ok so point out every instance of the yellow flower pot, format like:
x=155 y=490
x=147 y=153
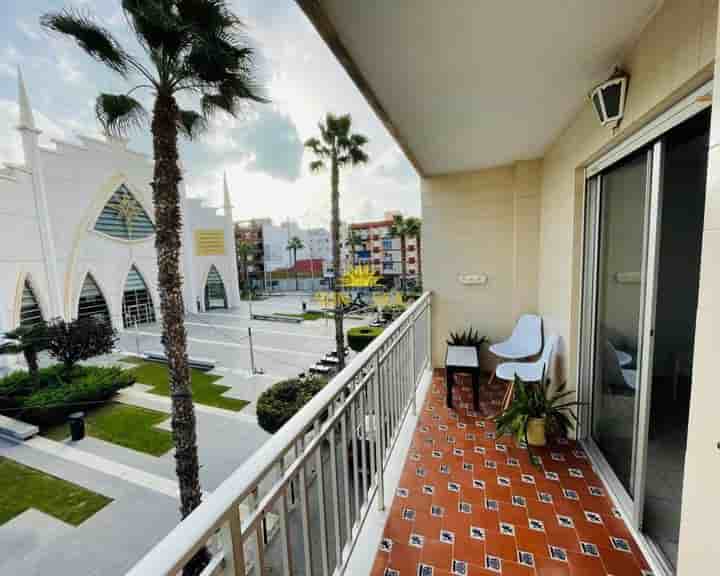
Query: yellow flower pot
x=536 y=432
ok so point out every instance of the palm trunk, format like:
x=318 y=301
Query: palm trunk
x=31 y=359
x=403 y=263
x=246 y=275
x=335 y=225
x=295 y=266
x=168 y=225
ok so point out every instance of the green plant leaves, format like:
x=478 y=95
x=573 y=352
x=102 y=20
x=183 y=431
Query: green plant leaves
x=468 y=337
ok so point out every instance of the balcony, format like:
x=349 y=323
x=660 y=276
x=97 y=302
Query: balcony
x=309 y=501
x=428 y=490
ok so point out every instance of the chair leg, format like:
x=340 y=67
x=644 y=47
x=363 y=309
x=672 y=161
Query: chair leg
x=449 y=381
x=492 y=379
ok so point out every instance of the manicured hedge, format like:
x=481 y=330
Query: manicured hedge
x=284 y=399
x=57 y=393
x=360 y=336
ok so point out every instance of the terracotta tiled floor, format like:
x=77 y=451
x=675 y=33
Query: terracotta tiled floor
x=469 y=503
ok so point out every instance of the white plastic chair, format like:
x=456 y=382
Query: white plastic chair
x=529 y=371
x=525 y=340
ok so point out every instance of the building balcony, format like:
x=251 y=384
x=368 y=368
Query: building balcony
x=376 y=475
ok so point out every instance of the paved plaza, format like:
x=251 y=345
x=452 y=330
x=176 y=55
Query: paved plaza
x=143 y=488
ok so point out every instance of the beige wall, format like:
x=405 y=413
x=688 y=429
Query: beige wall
x=701 y=500
x=481 y=223
x=522 y=225
x=672 y=56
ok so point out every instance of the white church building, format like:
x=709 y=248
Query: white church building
x=77 y=235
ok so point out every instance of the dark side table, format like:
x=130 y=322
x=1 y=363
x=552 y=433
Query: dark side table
x=462 y=360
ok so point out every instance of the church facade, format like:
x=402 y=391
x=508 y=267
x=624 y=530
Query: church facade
x=77 y=235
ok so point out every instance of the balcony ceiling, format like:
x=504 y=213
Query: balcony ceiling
x=470 y=84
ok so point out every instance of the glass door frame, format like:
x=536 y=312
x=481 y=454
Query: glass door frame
x=649 y=136
x=631 y=506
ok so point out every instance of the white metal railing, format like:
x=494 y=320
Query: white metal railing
x=297 y=505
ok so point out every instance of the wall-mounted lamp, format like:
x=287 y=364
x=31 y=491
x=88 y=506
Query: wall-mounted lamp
x=609 y=98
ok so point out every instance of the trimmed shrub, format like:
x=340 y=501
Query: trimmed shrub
x=284 y=399
x=57 y=393
x=81 y=339
x=360 y=336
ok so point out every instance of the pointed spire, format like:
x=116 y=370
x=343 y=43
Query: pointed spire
x=226 y=191
x=26 y=115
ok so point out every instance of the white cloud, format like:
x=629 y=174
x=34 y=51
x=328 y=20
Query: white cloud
x=9 y=59
x=259 y=150
x=69 y=69
x=30 y=31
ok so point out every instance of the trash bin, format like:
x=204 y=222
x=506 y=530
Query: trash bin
x=77 y=426
x=304 y=304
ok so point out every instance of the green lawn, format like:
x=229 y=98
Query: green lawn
x=204 y=389
x=22 y=488
x=128 y=426
x=312 y=315
x=132 y=360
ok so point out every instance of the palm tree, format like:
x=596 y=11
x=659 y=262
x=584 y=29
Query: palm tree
x=338 y=147
x=28 y=340
x=293 y=246
x=353 y=241
x=191 y=47
x=244 y=249
x=399 y=228
x=413 y=229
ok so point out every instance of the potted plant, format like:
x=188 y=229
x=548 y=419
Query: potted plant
x=536 y=412
x=467 y=337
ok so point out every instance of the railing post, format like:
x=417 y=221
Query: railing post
x=284 y=527
x=379 y=423
x=428 y=330
x=412 y=367
x=232 y=545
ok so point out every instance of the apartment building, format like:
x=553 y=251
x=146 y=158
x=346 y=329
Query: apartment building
x=251 y=251
x=276 y=237
x=373 y=244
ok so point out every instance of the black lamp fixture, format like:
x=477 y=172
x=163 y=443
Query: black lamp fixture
x=609 y=98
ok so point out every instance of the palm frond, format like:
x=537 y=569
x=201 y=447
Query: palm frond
x=358 y=156
x=341 y=125
x=317 y=166
x=191 y=124
x=413 y=226
x=212 y=59
x=210 y=16
x=157 y=27
x=358 y=140
x=229 y=96
x=318 y=148
x=119 y=114
x=10 y=348
x=97 y=41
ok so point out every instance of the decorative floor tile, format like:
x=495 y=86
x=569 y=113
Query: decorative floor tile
x=472 y=502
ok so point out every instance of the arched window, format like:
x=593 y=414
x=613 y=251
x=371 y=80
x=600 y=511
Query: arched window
x=124 y=217
x=215 y=290
x=137 y=302
x=30 y=312
x=92 y=303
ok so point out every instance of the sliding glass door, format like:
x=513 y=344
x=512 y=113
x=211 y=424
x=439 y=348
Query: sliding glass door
x=623 y=195
x=644 y=209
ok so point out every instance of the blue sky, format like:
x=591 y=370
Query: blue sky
x=261 y=151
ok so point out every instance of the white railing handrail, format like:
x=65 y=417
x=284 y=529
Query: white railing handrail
x=179 y=546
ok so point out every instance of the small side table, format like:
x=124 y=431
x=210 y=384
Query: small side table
x=462 y=359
